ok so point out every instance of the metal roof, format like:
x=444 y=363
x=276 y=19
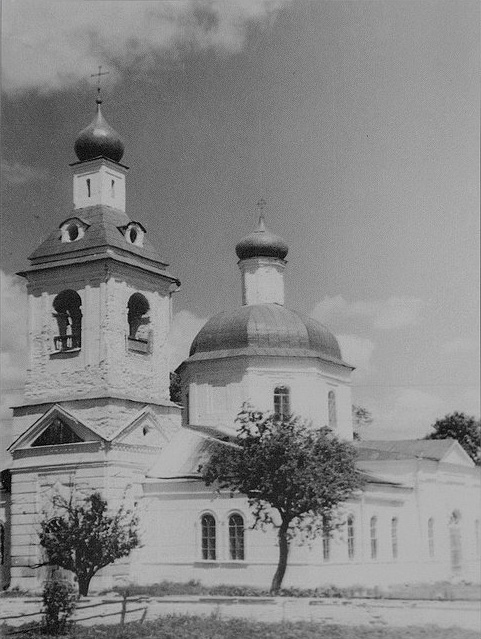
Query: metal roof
x=104 y=232
x=264 y=329
x=403 y=449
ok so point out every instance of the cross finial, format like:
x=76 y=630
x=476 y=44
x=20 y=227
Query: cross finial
x=261 y=204
x=98 y=75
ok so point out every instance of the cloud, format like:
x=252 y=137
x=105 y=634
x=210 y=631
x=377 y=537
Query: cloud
x=185 y=326
x=52 y=45
x=20 y=173
x=13 y=355
x=392 y=313
x=357 y=351
x=460 y=345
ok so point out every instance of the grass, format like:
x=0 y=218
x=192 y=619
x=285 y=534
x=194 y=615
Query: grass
x=438 y=591
x=187 y=627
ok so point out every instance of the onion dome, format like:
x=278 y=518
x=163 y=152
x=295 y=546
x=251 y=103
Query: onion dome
x=261 y=243
x=99 y=139
x=265 y=330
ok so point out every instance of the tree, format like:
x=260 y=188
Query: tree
x=83 y=537
x=361 y=417
x=283 y=466
x=466 y=429
x=175 y=388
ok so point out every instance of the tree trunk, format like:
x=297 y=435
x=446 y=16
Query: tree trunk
x=83 y=584
x=283 y=554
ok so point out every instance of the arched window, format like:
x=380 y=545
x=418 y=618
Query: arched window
x=2 y=544
x=67 y=306
x=351 y=539
x=138 y=320
x=332 y=410
x=394 y=537
x=476 y=538
x=373 y=536
x=431 y=537
x=282 y=402
x=326 y=543
x=455 y=541
x=208 y=537
x=236 y=536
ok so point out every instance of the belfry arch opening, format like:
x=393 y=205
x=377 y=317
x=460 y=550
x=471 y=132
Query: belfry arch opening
x=67 y=306
x=138 y=320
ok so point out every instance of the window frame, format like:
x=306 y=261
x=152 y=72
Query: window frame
x=351 y=537
x=373 y=537
x=206 y=537
x=282 y=402
x=236 y=541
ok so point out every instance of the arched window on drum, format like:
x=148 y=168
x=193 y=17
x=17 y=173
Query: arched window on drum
x=282 y=402
x=332 y=409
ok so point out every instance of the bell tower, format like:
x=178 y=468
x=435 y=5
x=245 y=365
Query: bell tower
x=96 y=409
x=99 y=293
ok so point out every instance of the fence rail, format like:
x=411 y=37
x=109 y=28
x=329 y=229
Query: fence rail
x=122 y=610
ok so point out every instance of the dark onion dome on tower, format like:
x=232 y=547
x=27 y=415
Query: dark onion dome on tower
x=261 y=243
x=99 y=139
x=265 y=330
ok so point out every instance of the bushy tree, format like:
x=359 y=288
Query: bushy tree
x=58 y=607
x=285 y=469
x=466 y=429
x=361 y=417
x=84 y=537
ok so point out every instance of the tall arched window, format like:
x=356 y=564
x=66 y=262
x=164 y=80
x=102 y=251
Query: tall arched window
x=67 y=306
x=236 y=536
x=138 y=320
x=326 y=543
x=455 y=541
x=431 y=537
x=208 y=537
x=332 y=410
x=394 y=537
x=351 y=539
x=476 y=538
x=282 y=402
x=373 y=537
x=2 y=544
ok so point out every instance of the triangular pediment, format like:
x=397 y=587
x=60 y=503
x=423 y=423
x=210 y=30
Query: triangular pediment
x=57 y=433
x=56 y=427
x=143 y=430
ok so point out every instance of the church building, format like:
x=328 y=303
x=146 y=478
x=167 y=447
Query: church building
x=97 y=414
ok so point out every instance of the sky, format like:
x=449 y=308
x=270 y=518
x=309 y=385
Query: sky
x=357 y=122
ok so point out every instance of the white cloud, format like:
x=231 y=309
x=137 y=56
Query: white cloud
x=357 y=351
x=51 y=45
x=13 y=356
x=460 y=345
x=17 y=173
x=185 y=326
x=392 y=313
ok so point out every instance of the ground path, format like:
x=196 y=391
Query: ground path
x=352 y=612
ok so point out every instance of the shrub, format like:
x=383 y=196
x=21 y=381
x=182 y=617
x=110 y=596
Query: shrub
x=58 y=606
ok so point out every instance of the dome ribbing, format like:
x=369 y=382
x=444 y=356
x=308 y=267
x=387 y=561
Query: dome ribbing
x=264 y=329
